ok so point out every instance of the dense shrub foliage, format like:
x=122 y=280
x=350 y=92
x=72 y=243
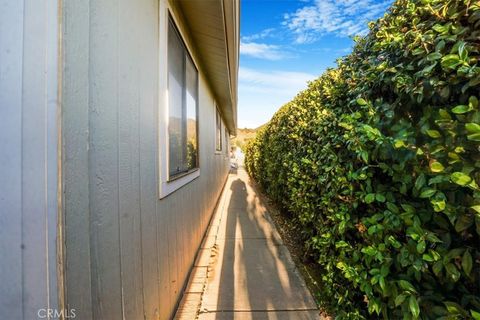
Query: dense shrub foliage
x=378 y=160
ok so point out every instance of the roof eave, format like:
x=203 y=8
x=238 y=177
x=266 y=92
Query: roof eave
x=214 y=28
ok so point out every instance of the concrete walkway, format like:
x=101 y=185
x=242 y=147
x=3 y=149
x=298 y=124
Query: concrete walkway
x=243 y=270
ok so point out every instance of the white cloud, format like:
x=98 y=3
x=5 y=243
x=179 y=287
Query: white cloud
x=261 y=50
x=340 y=17
x=283 y=81
x=263 y=92
x=261 y=35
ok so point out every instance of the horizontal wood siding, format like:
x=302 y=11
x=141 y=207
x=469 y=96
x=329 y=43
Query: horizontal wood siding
x=128 y=253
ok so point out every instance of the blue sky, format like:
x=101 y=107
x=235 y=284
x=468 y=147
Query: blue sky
x=285 y=43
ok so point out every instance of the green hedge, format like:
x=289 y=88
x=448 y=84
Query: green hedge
x=378 y=161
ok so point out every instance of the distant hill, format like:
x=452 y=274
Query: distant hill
x=243 y=135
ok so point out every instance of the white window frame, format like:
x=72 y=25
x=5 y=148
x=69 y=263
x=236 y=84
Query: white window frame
x=166 y=185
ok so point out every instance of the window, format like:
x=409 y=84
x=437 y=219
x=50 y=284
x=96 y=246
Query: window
x=218 y=134
x=178 y=83
x=182 y=107
x=227 y=142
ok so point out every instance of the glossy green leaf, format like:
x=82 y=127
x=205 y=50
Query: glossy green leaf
x=473 y=102
x=361 y=102
x=472 y=127
x=461 y=109
x=380 y=197
x=407 y=286
x=476 y=208
x=434 y=133
x=436 y=166
x=474 y=137
x=475 y=314
x=413 y=305
x=450 y=61
x=460 y=178
x=452 y=272
x=455 y=308
x=420 y=181
x=463 y=222
x=440 y=28
x=467 y=262
x=462 y=50
x=438 y=205
x=421 y=247
x=369 y=198
x=399 y=299
x=427 y=193
x=437 y=268
x=434 y=56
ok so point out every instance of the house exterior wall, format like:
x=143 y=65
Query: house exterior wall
x=28 y=157
x=128 y=253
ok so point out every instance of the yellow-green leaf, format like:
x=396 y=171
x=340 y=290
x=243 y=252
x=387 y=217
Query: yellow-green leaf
x=474 y=137
x=438 y=205
x=369 y=198
x=434 y=134
x=460 y=178
x=460 y=109
x=436 y=166
x=399 y=143
x=361 y=101
x=475 y=314
x=472 y=127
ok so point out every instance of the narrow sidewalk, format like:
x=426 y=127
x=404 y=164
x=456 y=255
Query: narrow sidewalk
x=243 y=269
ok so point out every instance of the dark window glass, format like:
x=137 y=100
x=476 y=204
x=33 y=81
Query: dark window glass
x=182 y=106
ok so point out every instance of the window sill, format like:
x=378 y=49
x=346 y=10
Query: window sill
x=167 y=187
x=182 y=174
x=217 y=152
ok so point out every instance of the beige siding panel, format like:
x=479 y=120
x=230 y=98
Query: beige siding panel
x=141 y=248
x=33 y=150
x=147 y=89
x=129 y=70
x=76 y=169
x=28 y=157
x=11 y=77
x=104 y=161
